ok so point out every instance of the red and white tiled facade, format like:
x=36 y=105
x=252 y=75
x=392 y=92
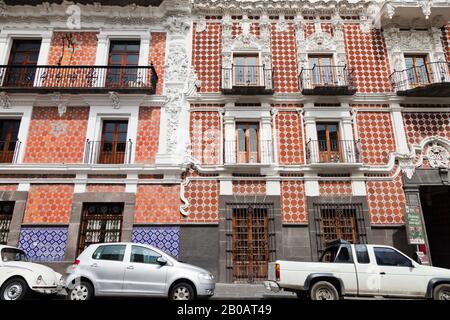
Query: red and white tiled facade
x=182 y=166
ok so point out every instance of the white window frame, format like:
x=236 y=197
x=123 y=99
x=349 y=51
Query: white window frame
x=97 y=115
x=24 y=114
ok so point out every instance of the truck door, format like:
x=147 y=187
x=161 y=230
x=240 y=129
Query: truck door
x=367 y=272
x=398 y=275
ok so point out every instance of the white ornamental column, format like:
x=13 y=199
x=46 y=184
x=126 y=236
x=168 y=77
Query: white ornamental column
x=179 y=83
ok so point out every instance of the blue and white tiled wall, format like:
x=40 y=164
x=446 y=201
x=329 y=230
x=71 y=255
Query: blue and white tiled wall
x=45 y=244
x=166 y=239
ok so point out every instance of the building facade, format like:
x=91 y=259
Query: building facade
x=227 y=133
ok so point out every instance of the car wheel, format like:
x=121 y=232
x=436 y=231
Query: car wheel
x=81 y=290
x=442 y=292
x=324 y=290
x=182 y=291
x=14 y=289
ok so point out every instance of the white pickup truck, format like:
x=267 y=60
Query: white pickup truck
x=359 y=270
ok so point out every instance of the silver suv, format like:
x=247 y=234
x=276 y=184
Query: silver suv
x=130 y=269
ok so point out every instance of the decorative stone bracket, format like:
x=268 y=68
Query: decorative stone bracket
x=437 y=153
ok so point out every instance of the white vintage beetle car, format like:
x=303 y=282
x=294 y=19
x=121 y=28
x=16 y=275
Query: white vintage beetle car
x=18 y=276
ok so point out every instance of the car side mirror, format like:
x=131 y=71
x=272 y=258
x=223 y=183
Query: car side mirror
x=162 y=261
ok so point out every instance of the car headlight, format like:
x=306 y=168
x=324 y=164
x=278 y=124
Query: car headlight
x=39 y=280
x=206 y=276
x=61 y=281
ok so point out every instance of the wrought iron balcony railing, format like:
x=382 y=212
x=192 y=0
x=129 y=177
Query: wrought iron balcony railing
x=246 y=79
x=263 y=153
x=9 y=151
x=78 y=78
x=327 y=80
x=333 y=151
x=108 y=152
x=428 y=80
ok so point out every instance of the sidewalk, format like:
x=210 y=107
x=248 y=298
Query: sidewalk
x=248 y=291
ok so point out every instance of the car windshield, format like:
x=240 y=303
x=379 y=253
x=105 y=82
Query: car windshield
x=11 y=254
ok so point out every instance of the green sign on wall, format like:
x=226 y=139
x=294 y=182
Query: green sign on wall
x=414 y=225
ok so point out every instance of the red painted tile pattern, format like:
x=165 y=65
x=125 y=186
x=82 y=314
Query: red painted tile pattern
x=48 y=203
x=367 y=55
x=205 y=136
x=446 y=40
x=55 y=139
x=386 y=201
x=290 y=138
x=83 y=55
x=207 y=57
x=419 y=125
x=8 y=187
x=249 y=187
x=371 y=106
x=147 y=135
x=284 y=60
x=97 y=187
x=331 y=188
x=158 y=57
x=157 y=204
x=376 y=137
x=293 y=202
x=203 y=198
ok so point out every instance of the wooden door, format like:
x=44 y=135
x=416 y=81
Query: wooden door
x=417 y=70
x=247 y=141
x=246 y=70
x=113 y=145
x=22 y=63
x=123 y=54
x=9 y=130
x=328 y=142
x=250 y=244
x=322 y=70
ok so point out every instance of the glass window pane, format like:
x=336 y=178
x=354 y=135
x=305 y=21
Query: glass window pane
x=241 y=140
x=362 y=254
x=144 y=255
x=112 y=253
x=390 y=257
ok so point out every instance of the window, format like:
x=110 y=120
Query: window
x=322 y=71
x=390 y=257
x=100 y=222
x=123 y=54
x=344 y=255
x=111 y=252
x=9 y=130
x=417 y=70
x=23 y=59
x=247 y=136
x=328 y=141
x=246 y=70
x=362 y=254
x=144 y=255
x=113 y=145
x=12 y=254
x=6 y=213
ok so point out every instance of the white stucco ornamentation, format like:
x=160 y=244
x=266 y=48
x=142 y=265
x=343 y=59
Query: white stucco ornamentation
x=406 y=164
x=281 y=24
x=177 y=64
x=115 y=101
x=200 y=24
x=5 y=101
x=438 y=156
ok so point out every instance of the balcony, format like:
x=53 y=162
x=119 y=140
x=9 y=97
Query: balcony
x=333 y=151
x=78 y=79
x=108 y=152
x=327 y=81
x=263 y=154
x=247 y=80
x=428 y=80
x=9 y=151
